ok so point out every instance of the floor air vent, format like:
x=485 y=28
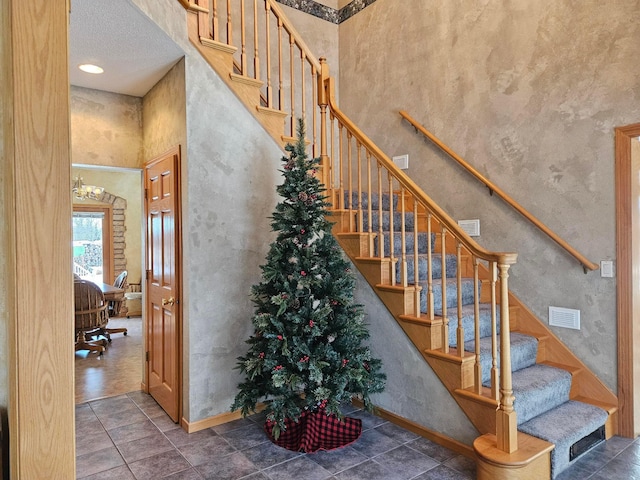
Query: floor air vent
x=586 y=443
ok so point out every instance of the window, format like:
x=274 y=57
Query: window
x=92 y=252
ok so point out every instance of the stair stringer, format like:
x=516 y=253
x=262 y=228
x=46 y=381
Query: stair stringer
x=220 y=57
x=586 y=387
x=454 y=372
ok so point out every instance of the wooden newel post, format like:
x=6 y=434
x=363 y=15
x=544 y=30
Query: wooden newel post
x=323 y=101
x=506 y=421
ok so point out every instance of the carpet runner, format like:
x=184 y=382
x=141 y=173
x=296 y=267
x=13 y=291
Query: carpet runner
x=542 y=392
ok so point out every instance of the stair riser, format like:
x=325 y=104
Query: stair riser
x=468 y=325
x=524 y=351
x=539 y=389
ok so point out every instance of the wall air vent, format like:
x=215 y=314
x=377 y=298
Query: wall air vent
x=564 y=317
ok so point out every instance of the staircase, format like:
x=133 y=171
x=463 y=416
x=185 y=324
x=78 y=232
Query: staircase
x=544 y=405
x=536 y=406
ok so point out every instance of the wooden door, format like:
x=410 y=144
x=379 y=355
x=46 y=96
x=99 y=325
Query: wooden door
x=163 y=318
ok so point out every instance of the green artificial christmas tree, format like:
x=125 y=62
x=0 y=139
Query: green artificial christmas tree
x=306 y=353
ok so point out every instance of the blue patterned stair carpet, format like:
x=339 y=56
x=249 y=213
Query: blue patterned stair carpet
x=542 y=392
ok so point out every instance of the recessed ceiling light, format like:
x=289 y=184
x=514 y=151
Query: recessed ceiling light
x=89 y=68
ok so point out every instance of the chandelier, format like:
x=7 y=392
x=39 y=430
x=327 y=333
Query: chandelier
x=82 y=191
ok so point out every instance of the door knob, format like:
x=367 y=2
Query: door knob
x=168 y=301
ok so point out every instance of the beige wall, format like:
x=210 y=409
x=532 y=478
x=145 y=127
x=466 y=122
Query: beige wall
x=529 y=95
x=106 y=128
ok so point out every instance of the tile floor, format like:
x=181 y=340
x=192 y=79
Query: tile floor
x=128 y=436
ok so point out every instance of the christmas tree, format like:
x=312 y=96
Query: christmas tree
x=306 y=353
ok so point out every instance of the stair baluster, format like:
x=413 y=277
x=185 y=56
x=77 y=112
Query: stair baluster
x=476 y=314
x=495 y=373
x=460 y=329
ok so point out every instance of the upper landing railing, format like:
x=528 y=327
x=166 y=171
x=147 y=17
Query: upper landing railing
x=587 y=265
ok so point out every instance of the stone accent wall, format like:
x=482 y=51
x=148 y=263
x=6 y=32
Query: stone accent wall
x=119 y=206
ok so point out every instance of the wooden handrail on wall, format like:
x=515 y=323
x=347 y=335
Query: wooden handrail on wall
x=587 y=265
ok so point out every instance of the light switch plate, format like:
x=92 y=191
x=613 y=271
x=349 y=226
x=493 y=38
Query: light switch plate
x=402 y=161
x=606 y=268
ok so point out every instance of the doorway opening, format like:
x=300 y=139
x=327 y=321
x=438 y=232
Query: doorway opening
x=108 y=239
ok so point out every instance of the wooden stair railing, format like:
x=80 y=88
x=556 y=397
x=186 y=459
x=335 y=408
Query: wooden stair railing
x=355 y=171
x=587 y=265
x=269 y=64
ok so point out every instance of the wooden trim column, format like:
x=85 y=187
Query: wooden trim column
x=36 y=237
x=625 y=279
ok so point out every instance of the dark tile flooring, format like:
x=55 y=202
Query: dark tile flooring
x=130 y=437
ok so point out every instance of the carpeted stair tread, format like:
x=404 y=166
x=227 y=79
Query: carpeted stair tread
x=375 y=203
x=436 y=267
x=538 y=389
x=397 y=245
x=468 y=297
x=524 y=350
x=386 y=222
x=468 y=323
x=564 y=426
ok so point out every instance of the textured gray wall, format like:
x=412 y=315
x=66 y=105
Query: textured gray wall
x=229 y=179
x=413 y=390
x=529 y=95
x=164 y=114
x=106 y=128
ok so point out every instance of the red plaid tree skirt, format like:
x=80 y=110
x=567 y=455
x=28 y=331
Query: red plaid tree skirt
x=317 y=431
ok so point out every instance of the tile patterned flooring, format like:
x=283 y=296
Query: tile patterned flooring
x=130 y=437
x=122 y=434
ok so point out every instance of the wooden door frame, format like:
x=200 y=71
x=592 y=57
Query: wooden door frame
x=107 y=237
x=175 y=150
x=37 y=287
x=624 y=277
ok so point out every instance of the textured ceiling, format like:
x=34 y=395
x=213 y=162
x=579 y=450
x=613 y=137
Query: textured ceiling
x=114 y=34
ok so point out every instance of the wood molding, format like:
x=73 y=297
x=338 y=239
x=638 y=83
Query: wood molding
x=624 y=276
x=37 y=237
x=191 y=427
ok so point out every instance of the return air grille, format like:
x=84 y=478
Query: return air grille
x=564 y=317
x=586 y=443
